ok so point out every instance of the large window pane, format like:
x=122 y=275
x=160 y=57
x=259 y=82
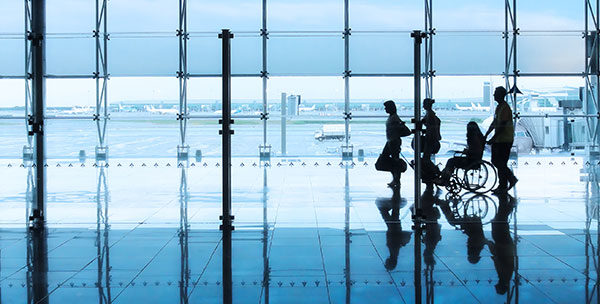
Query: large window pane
x=546 y=15
x=147 y=124
x=309 y=54
x=551 y=52
x=13 y=136
x=321 y=103
x=205 y=50
x=305 y=15
x=386 y=15
x=70 y=16
x=367 y=95
x=12 y=55
x=12 y=16
x=468 y=53
x=143 y=55
x=469 y=15
x=142 y=16
x=381 y=52
x=70 y=55
x=66 y=138
x=70 y=97
x=212 y=16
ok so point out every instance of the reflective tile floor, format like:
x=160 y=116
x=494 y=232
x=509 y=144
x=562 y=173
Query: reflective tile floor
x=306 y=231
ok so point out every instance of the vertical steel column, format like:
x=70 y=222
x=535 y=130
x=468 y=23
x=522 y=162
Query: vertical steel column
x=264 y=149
x=510 y=53
x=101 y=76
x=28 y=84
x=226 y=132
x=38 y=67
x=418 y=39
x=347 y=74
x=430 y=31
x=592 y=71
x=183 y=76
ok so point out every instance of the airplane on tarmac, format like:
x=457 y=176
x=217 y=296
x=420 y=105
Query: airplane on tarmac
x=473 y=107
x=307 y=109
x=153 y=110
x=80 y=110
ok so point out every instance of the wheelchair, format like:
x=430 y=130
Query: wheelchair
x=479 y=177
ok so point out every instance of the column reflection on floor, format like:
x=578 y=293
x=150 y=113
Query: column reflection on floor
x=347 y=241
x=102 y=237
x=592 y=250
x=37 y=265
x=184 y=281
x=265 y=241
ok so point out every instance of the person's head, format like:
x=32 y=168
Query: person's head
x=474 y=254
x=390 y=107
x=428 y=103
x=499 y=94
x=473 y=129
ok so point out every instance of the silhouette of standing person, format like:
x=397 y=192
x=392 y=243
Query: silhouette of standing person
x=394 y=236
x=502 y=141
x=430 y=142
x=503 y=247
x=395 y=128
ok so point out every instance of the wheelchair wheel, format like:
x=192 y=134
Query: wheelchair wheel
x=475 y=177
x=492 y=178
x=454 y=185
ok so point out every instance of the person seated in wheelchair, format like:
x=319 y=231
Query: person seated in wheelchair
x=471 y=155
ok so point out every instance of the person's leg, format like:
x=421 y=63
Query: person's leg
x=497 y=160
x=395 y=153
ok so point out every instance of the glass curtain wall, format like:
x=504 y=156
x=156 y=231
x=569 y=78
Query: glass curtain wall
x=298 y=77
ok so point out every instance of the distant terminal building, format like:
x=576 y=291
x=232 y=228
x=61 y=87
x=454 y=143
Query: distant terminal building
x=293 y=105
x=487 y=94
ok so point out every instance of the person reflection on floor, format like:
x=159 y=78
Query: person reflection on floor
x=432 y=231
x=503 y=246
x=471 y=225
x=395 y=237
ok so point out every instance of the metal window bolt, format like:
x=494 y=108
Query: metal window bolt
x=264 y=32
x=347 y=116
x=347 y=74
x=264 y=116
x=221 y=35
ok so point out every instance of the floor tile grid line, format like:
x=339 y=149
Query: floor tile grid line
x=310 y=182
x=380 y=257
x=59 y=285
x=272 y=235
x=26 y=244
x=457 y=277
x=197 y=281
x=145 y=266
x=514 y=219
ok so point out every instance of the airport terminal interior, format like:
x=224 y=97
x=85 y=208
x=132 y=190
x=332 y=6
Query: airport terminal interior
x=239 y=151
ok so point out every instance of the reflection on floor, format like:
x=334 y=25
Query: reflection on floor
x=306 y=231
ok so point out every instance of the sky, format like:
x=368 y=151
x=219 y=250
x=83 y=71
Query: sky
x=143 y=46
